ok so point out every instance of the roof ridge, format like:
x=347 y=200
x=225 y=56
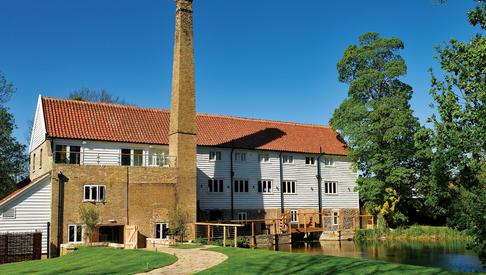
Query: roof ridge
x=197 y=114
x=104 y=103
x=267 y=120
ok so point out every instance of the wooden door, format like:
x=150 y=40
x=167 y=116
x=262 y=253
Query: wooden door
x=131 y=237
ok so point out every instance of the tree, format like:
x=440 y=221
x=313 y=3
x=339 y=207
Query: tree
x=178 y=219
x=378 y=124
x=459 y=134
x=12 y=153
x=85 y=94
x=90 y=216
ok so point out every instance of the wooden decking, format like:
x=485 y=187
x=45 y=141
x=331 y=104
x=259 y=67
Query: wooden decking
x=301 y=223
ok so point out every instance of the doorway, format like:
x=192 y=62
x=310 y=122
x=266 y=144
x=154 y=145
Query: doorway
x=111 y=234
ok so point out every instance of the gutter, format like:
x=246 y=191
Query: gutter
x=232 y=175
x=282 y=209
x=319 y=184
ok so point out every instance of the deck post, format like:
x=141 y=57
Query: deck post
x=305 y=224
x=252 y=234
x=224 y=236
x=236 y=236
x=209 y=233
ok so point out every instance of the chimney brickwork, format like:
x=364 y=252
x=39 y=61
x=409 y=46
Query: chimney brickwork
x=182 y=131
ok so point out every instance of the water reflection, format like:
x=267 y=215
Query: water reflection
x=443 y=254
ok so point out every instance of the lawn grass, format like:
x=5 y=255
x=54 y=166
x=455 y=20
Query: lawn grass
x=93 y=260
x=188 y=245
x=261 y=261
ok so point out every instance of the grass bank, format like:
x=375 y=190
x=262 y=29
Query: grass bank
x=414 y=232
x=260 y=261
x=93 y=260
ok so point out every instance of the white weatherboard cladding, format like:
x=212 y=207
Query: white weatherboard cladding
x=108 y=153
x=253 y=170
x=32 y=211
x=38 y=135
x=345 y=177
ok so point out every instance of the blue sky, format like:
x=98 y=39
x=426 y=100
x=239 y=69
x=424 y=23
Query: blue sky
x=271 y=59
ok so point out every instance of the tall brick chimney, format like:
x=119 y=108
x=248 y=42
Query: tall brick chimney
x=182 y=129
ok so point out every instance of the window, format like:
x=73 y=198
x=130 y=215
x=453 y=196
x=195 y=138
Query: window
x=162 y=231
x=9 y=213
x=242 y=216
x=241 y=186
x=294 y=216
x=95 y=193
x=310 y=161
x=125 y=157
x=335 y=217
x=239 y=156
x=75 y=233
x=74 y=154
x=33 y=162
x=288 y=159
x=137 y=157
x=215 y=186
x=264 y=157
x=330 y=187
x=328 y=162
x=288 y=187
x=265 y=186
x=214 y=156
x=60 y=155
x=40 y=159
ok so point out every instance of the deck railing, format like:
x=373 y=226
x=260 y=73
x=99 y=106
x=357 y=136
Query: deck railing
x=305 y=223
x=114 y=159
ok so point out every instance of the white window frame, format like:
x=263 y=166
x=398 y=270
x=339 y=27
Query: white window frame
x=161 y=224
x=75 y=233
x=335 y=217
x=312 y=160
x=11 y=217
x=294 y=216
x=240 y=156
x=287 y=184
x=329 y=162
x=90 y=188
x=214 y=155
x=331 y=187
x=242 y=216
x=264 y=158
x=287 y=159
x=218 y=184
x=264 y=186
x=246 y=183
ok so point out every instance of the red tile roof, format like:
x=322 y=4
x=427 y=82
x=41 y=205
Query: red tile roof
x=21 y=190
x=112 y=122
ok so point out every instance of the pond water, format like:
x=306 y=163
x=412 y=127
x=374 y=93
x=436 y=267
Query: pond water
x=443 y=254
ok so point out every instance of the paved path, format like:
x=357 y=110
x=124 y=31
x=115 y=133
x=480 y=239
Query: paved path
x=189 y=261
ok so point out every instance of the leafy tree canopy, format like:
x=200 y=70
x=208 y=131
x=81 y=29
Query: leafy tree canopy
x=459 y=133
x=12 y=158
x=85 y=94
x=377 y=122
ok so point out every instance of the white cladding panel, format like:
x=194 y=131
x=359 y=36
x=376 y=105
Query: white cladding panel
x=109 y=153
x=32 y=211
x=253 y=170
x=38 y=135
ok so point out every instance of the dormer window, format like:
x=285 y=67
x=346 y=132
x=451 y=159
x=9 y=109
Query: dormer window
x=240 y=156
x=310 y=160
x=214 y=155
x=328 y=162
x=265 y=158
x=287 y=159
